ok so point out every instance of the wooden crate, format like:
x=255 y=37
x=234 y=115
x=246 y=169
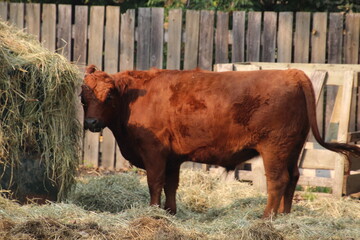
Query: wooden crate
x=337 y=121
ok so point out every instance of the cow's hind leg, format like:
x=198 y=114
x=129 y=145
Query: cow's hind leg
x=171 y=185
x=293 y=169
x=277 y=178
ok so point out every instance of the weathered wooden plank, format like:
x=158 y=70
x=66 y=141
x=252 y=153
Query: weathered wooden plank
x=191 y=39
x=284 y=39
x=269 y=37
x=96 y=29
x=318 y=159
x=238 y=32
x=144 y=39
x=4 y=11
x=302 y=37
x=48 y=31
x=206 y=40
x=127 y=40
x=112 y=33
x=334 y=50
x=341 y=165
x=253 y=36
x=318 y=37
x=127 y=45
x=315 y=181
x=16 y=15
x=335 y=40
x=174 y=39
x=157 y=37
x=64 y=30
x=80 y=35
x=352 y=184
x=352 y=38
x=32 y=19
x=222 y=38
x=79 y=55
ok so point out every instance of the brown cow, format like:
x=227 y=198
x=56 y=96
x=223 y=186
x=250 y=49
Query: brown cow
x=162 y=118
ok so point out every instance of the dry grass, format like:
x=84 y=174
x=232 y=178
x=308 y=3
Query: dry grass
x=37 y=107
x=209 y=208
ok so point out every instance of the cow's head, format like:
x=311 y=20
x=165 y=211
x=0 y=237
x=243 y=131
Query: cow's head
x=100 y=98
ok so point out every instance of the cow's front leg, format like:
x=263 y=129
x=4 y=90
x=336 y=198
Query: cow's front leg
x=171 y=185
x=155 y=164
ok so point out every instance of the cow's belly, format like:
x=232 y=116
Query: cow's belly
x=228 y=160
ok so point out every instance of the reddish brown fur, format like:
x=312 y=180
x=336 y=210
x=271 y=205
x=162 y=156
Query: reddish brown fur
x=161 y=118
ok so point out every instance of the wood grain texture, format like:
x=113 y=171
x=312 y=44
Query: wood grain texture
x=302 y=37
x=253 y=36
x=284 y=39
x=318 y=38
x=157 y=38
x=144 y=39
x=238 y=37
x=222 y=38
x=32 y=19
x=16 y=14
x=174 y=39
x=206 y=40
x=127 y=40
x=269 y=37
x=4 y=11
x=191 y=39
x=352 y=38
x=48 y=31
x=64 y=31
x=335 y=38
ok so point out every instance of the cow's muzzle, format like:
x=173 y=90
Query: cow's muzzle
x=93 y=124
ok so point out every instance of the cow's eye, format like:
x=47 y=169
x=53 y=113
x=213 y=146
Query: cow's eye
x=83 y=102
x=109 y=97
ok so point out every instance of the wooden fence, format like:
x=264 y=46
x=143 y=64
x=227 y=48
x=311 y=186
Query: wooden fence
x=114 y=42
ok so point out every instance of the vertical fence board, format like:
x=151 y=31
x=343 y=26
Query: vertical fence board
x=157 y=37
x=191 y=39
x=127 y=40
x=222 y=38
x=302 y=37
x=127 y=46
x=79 y=57
x=4 y=11
x=64 y=30
x=351 y=56
x=238 y=34
x=206 y=40
x=32 y=19
x=48 y=31
x=253 y=37
x=174 y=39
x=284 y=40
x=96 y=28
x=318 y=55
x=112 y=30
x=143 y=39
x=16 y=15
x=269 y=37
x=334 y=51
x=335 y=39
x=352 y=38
x=318 y=38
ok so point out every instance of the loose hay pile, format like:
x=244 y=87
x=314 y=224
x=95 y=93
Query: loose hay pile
x=228 y=210
x=37 y=109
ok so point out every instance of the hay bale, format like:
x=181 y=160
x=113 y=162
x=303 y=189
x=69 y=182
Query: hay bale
x=38 y=131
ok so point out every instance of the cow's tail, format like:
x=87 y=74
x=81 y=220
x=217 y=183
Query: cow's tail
x=343 y=148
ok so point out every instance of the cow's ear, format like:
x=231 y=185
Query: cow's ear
x=122 y=84
x=90 y=69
